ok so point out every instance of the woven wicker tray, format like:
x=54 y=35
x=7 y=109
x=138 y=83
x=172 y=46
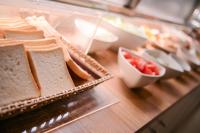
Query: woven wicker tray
x=99 y=73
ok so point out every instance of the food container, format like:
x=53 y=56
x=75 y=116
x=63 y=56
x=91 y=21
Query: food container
x=132 y=76
x=173 y=69
x=161 y=44
x=130 y=36
x=102 y=39
x=86 y=32
x=153 y=24
x=189 y=57
x=88 y=41
x=186 y=67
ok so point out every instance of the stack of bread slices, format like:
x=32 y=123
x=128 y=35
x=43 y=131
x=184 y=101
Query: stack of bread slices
x=33 y=60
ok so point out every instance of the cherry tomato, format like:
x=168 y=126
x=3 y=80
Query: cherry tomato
x=147 y=71
x=127 y=55
x=143 y=66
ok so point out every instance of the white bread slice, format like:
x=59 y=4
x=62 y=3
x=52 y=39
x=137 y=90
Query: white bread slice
x=21 y=27
x=44 y=47
x=18 y=24
x=16 y=80
x=37 y=42
x=23 y=34
x=47 y=43
x=13 y=24
x=11 y=20
x=32 y=44
x=42 y=24
x=50 y=71
x=44 y=41
x=49 y=31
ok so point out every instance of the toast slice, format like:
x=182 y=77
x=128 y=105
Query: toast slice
x=50 y=70
x=13 y=24
x=49 y=31
x=28 y=42
x=16 y=80
x=21 y=27
x=73 y=65
x=11 y=20
x=44 y=47
x=23 y=34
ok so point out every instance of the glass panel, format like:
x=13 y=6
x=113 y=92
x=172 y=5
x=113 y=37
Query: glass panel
x=60 y=113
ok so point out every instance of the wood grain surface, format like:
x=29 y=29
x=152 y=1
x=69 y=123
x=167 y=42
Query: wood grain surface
x=137 y=106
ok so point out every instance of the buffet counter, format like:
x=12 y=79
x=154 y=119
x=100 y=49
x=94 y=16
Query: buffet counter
x=124 y=74
x=130 y=110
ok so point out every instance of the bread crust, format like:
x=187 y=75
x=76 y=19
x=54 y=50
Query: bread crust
x=35 y=69
x=33 y=93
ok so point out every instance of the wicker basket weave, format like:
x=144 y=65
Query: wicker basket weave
x=19 y=107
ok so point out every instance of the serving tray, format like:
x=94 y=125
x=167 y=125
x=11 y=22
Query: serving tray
x=98 y=72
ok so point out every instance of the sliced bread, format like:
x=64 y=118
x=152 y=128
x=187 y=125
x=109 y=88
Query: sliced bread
x=36 y=42
x=23 y=34
x=42 y=24
x=16 y=80
x=21 y=27
x=11 y=20
x=50 y=70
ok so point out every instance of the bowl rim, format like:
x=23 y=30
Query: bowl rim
x=167 y=67
x=114 y=36
x=188 y=56
x=182 y=62
x=143 y=74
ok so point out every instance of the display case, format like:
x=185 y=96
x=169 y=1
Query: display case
x=129 y=71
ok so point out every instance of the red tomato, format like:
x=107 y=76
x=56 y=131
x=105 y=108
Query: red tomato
x=127 y=55
x=133 y=61
x=157 y=71
x=147 y=70
x=152 y=67
x=142 y=65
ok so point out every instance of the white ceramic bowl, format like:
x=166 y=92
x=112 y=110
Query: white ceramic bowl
x=186 y=67
x=132 y=76
x=101 y=38
x=173 y=69
x=126 y=38
x=83 y=32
